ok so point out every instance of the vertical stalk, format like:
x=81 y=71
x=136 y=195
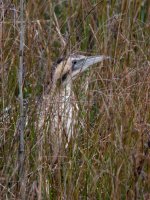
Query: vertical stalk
x=1 y=54
x=21 y=119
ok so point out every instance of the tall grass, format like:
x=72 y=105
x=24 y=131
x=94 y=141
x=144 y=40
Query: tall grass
x=109 y=156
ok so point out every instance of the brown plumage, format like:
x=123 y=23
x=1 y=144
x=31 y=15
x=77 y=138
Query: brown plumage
x=58 y=107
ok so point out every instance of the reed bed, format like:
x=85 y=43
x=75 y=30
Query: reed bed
x=108 y=158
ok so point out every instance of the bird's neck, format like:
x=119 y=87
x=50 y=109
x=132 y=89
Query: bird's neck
x=57 y=100
x=66 y=92
x=66 y=109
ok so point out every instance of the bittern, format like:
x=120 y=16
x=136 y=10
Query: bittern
x=60 y=101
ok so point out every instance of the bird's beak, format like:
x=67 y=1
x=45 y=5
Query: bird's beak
x=88 y=61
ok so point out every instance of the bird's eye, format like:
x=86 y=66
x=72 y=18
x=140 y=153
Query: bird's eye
x=74 y=62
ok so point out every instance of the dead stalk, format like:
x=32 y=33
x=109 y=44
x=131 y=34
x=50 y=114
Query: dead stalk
x=21 y=168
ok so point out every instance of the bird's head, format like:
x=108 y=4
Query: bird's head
x=69 y=68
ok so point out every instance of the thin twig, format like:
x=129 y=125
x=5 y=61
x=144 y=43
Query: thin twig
x=22 y=118
x=58 y=31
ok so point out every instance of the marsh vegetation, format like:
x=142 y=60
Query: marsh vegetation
x=109 y=156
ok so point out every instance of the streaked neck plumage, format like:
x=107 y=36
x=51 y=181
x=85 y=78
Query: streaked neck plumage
x=61 y=99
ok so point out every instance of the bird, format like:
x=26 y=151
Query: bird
x=58 y=108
